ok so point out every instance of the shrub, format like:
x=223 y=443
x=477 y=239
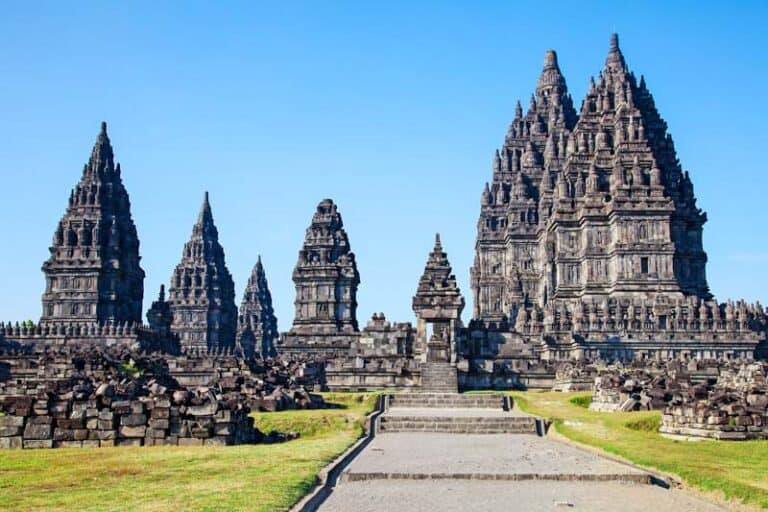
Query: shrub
x=581 y=401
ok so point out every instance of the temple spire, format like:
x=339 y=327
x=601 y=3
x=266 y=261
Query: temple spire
x=257 y=324
x=551 y=80
x=205 y=215
x=202 y=293
x=95 y=242
x=615 y=59
x=102 y=156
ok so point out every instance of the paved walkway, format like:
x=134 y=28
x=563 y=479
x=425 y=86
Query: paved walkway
x=416 y=471
x=418 y=455
x=415 y=468
x=479 y=496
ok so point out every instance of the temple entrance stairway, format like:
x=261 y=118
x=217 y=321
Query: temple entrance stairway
x=454 y=413
x=457 y=452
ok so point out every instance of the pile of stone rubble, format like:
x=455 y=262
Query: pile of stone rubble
x=632 y=389
x=115 y=397
x=735 y=407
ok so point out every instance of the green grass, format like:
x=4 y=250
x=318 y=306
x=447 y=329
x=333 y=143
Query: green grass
x=581 y=401
x=736 y=470
x=258 y=477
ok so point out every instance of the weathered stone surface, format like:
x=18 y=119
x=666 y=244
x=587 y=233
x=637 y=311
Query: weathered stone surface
x=147 y=406
x=138 y=431
x=9 y=443
x=734 y=407
x=37 y=431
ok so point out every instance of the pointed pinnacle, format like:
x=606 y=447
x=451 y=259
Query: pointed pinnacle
x=615 y=57
x=205 y=210
x=550 y=59
x=438 y=245
x=103 y=128
x=614 y=42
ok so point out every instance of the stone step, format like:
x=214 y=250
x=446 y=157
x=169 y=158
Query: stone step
x=459 y=425
x=439 y=377
x=447 y=400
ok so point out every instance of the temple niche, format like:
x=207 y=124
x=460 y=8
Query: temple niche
x=93 y=276
x=326 y=280
x=202 y=293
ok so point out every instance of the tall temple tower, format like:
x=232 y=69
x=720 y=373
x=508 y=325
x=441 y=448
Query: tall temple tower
x=326 y=280
x=592 y=207
x=515 y=204
x=257 y=324
x=202 y=293
x=93 y=275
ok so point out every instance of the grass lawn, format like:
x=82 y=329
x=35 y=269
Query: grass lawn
x=738 y=470
x=257 y=477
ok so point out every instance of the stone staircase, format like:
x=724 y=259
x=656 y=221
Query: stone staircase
x=450 y=401
x=459 y=425
x=439 y=378
x=454 y=413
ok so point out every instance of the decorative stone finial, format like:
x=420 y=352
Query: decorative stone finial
x=615 y=59
x=614 y=42
x=205 y=211
x=550 y=59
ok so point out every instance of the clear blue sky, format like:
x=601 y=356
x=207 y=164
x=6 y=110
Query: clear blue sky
x=393 y=110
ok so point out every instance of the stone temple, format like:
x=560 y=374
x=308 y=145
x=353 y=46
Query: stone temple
x=589 y=240
x=93 y=275
x=589 y=247
x=326 y=279
x=256 y=323
x=202 y=292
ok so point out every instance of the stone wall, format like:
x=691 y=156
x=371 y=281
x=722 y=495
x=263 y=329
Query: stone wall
x=368 y=373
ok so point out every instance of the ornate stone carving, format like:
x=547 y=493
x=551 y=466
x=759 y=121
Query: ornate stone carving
x=93 y=274
x=257 y=324
x=202 y=293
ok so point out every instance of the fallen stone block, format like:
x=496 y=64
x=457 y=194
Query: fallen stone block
x=133 y=420
x=37 y=431
x=128 y=432
x=38 y=443
x=11 y=421
x=10 y=443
